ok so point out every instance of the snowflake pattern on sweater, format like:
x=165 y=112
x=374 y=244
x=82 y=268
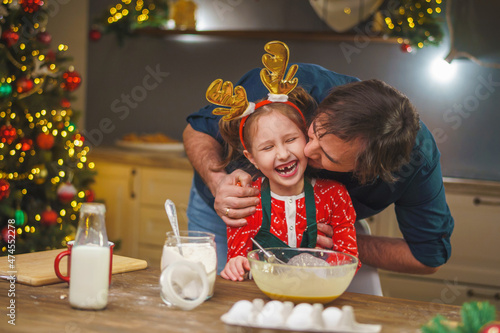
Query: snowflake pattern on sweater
x=333 y=207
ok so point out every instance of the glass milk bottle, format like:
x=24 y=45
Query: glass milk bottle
x=89 y=273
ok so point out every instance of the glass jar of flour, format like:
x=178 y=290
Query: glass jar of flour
x=189 y=268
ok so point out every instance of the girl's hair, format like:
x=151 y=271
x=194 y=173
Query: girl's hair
x=229 y=130
x=382 y=117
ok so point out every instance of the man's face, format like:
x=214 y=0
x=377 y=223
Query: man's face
x=331 y=153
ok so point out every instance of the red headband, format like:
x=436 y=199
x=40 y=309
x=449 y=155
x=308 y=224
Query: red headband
x=261 y=104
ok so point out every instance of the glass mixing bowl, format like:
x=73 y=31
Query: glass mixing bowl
x=309 y=275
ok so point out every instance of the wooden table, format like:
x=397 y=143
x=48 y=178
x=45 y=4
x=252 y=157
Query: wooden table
x=135 y=305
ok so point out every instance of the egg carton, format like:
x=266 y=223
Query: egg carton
x=275 y=316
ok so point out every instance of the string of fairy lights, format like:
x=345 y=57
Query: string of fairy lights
x=414 y=23
x=119 y=11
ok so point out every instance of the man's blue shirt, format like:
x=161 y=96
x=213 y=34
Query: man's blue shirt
x=418 y=196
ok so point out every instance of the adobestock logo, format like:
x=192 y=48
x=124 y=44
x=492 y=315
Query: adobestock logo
x=455 y=117
x=470 y=104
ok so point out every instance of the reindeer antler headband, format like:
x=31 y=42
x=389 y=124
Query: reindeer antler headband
x=274 y=77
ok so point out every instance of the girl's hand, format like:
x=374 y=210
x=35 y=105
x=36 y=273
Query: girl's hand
x=236 y=269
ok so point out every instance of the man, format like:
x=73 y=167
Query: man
x=351 y=124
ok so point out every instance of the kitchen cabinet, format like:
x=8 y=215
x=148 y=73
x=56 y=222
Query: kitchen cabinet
x=157 y=185
x=134 y=189
x=473 y=271
x=115 y=185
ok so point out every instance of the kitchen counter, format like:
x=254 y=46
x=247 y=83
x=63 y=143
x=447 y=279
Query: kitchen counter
x=135 y=305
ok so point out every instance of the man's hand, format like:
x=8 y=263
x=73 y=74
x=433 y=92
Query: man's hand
x=235 y=199
x=326 y=241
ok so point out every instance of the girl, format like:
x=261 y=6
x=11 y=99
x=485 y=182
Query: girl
x=272 y=139
x=271 y=135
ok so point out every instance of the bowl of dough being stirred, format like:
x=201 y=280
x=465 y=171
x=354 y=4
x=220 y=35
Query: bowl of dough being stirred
x=302 y=275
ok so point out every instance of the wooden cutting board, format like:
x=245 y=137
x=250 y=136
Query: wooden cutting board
x=37 y=268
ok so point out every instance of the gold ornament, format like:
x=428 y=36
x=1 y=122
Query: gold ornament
x=378 y=22
x=184 y=14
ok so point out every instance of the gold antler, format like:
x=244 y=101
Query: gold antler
x=220 y=93
x=274 y=76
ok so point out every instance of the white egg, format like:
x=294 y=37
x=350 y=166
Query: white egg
x=301 y=317
x=331 y=317
x=240 y=312
x=271 y=315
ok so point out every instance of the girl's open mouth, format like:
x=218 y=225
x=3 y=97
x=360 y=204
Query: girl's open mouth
x=288 y=169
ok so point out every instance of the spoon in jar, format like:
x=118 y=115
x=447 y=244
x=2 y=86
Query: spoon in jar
x=172 y=216
x=271 y=258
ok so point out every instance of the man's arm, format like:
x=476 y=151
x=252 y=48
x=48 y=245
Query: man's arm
x=382 y=252
x=391 y=254
x=205 y=155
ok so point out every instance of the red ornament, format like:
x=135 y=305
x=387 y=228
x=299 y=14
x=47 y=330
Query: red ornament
x=24 y=84
x=95 y=34
x=44 y=37
x=89 y=195
x=6 y=232
x=406 y=48
x=7 y=134
x=493 y=327
x=65 y=103
x=66 y=192
x=71 y=80
x=50 y=56
x=4 y=189
x=10 y=37
x=45 y=141
x=31 y=6
x=49 y=217
x=26 y=144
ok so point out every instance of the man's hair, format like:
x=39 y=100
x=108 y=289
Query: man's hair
x=380 y=116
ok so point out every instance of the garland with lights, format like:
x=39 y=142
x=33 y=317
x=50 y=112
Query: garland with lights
x=127 y=15
x=415 y=23
x=45 y=175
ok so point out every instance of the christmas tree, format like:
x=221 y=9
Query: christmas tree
x=44 y=171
